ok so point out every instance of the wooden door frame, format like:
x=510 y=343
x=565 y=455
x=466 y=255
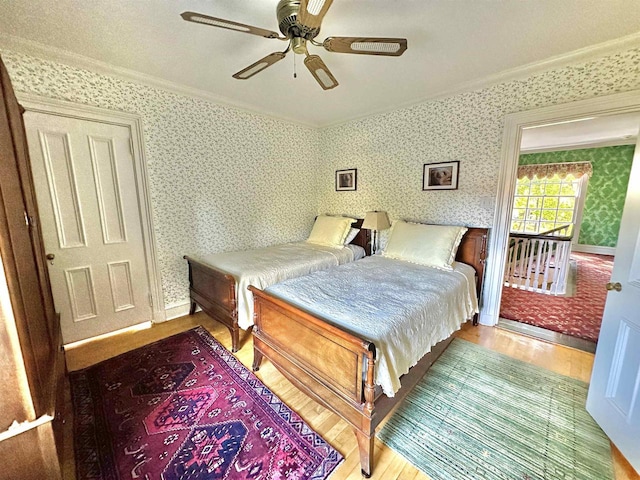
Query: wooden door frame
x=514 y=124
x=62 y=108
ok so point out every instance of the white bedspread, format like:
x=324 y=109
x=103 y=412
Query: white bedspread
x=403 y=308
x=262 y=267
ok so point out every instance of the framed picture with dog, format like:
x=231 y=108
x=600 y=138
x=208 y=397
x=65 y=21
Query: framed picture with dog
x=440 y=176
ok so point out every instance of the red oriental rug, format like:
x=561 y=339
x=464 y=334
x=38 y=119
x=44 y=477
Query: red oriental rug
x=186 y=408
x=580 y=315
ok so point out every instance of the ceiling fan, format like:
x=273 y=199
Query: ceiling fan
x=299 y=21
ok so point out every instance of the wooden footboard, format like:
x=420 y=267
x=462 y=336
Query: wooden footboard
x=331 y=366
x=215 y=292
x=336 y=368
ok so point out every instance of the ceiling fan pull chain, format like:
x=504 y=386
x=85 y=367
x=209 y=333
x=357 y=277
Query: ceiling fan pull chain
x=295 y=75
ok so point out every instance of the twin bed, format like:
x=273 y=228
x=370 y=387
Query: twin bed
x=218 y=283
x=358 y=337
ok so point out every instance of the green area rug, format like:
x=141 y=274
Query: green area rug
x=478 y=414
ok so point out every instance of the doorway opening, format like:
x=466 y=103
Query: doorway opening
x=571 y=184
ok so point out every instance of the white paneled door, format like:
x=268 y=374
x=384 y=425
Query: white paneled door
x=614 y=393
x=88 y=203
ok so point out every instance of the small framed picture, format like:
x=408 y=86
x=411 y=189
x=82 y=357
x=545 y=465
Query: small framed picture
x=440 y=176
x=346 y=180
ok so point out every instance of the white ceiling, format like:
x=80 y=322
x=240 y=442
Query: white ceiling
x=452 y=43
x=591 y=131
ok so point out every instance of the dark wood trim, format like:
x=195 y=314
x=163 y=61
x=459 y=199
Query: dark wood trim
x=538 y=236
x=363 y=239
x=22 y=250
x=473 y=251
x=215 y=292
x=37 y=354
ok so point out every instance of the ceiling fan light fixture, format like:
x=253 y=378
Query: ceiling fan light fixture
x=383 y=47
x=299 y=45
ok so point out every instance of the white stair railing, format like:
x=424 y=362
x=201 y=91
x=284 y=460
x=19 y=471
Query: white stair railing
x=538 y=263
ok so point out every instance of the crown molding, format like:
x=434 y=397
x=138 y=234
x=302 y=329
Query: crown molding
x=615 y=142
x=23 y=46
x=563 y=60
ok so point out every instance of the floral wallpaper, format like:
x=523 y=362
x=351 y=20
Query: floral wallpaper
x=220 y=178
x=223 y=179
x=390 y=149
x=606 y=191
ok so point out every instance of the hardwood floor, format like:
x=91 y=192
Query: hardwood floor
x=388 y=464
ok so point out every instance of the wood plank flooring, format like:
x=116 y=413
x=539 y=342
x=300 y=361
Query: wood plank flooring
x=388 y=464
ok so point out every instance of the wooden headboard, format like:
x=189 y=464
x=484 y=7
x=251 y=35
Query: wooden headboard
x=473 y=251
x=363 y=239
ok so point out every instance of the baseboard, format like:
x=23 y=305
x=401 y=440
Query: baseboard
x=593 y=249
x=487 y=318
x=547 y=335
x=176 y=310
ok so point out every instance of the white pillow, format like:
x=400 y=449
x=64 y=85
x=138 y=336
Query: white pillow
x=431 y=245
x=353 y=232
x=330 y=231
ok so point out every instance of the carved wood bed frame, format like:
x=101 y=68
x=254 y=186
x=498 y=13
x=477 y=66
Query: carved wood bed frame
x=214 y=290
x=336 y=368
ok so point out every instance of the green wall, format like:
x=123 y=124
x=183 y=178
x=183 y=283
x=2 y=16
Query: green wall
x=606 y=191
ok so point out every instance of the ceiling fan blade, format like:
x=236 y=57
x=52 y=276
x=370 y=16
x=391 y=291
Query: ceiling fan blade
x=393 y=47
x=312 y=12
x=259 y=66
x=228 y=24
x=320 y=72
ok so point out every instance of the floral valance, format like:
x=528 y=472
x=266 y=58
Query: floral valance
x=548 y=170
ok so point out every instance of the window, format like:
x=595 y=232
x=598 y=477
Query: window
x=542 y=204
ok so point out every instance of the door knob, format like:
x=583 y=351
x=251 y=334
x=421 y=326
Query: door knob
x=50 y=257
x=614 y=286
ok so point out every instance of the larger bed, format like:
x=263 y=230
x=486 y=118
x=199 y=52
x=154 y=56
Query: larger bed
x=218 y=282
x=353 y=339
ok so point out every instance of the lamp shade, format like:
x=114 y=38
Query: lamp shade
x=376 y=221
